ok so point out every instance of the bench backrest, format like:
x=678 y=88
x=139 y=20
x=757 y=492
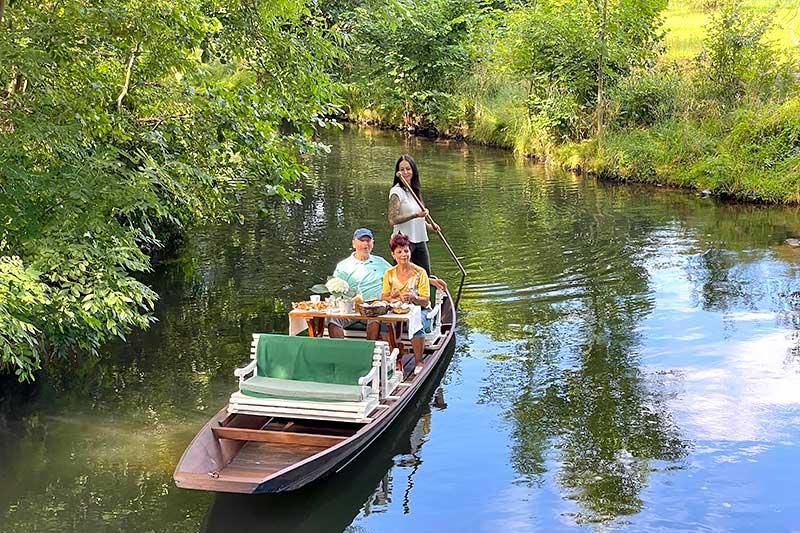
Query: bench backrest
x=323 y=360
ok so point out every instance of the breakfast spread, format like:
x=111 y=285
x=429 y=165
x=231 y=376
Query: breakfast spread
x=310 y=306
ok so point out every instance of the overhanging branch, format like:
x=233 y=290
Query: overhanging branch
x=127 y=83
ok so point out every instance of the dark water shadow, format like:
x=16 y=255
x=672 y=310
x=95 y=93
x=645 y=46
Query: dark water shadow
x=331 y=504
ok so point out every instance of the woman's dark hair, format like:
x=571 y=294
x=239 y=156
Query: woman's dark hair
x=414 y=174
x=399 y=241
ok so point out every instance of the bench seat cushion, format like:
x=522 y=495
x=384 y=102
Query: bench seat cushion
x=265 y=387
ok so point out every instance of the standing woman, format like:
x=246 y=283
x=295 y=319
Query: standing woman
x=405 y=214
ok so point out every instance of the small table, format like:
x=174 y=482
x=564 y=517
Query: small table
x=314 y=321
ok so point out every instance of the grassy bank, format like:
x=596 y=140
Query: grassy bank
x=731 y=126
x=752 y=154
x=749 y=154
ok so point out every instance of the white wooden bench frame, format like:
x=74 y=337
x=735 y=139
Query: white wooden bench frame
x=376 y=386
x=384 y=361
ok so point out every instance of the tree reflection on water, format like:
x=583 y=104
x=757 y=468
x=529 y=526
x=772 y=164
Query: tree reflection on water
x=578 y=402
x=561 y=298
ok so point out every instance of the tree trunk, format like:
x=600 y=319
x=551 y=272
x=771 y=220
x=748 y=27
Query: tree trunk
x=601 y=74
x=18 y=84
x=3 y=4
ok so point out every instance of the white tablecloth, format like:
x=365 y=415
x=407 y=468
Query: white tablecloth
x=298 y=324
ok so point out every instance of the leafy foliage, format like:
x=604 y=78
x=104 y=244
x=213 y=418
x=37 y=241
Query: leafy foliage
x=735 y=53
x=561 y=42
x=21 y=299
x=410 y=56
x=119 y=117
x=644 y=98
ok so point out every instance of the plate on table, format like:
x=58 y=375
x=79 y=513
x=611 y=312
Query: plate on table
x=310 y=306
x=401 y=308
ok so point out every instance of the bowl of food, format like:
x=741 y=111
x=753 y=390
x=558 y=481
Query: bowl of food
x=375 y=308
x=400 y=308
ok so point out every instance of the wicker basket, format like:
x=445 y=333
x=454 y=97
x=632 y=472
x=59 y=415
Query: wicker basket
x=374 y=309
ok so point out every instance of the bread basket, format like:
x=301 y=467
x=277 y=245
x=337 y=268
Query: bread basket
x=375 y=308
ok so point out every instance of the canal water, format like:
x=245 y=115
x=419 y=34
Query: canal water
x=627 y=358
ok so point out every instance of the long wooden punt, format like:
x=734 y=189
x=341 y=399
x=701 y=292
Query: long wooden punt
x=261 y=454
x=337 y=499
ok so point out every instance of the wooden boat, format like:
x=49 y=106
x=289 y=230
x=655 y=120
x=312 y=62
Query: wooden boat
x=250 y=453
x=337 y=499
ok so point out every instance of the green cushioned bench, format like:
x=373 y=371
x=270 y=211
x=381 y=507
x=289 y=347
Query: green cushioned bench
x=264 y=387
x=310 y=377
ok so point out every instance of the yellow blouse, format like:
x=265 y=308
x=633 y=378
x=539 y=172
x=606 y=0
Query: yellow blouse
x=418 y=281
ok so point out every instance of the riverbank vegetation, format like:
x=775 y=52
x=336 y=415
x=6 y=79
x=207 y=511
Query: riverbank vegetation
x=124 y=122
x=625 y=89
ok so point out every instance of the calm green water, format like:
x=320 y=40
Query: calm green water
x=627 y=358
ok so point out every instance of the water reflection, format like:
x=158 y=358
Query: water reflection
x=607 y=421
x=625 y=355
x=574 y=384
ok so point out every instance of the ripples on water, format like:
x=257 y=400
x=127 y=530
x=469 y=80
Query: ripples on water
x=627 y=358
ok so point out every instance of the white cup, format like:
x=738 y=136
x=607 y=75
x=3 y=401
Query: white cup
x=315 y=298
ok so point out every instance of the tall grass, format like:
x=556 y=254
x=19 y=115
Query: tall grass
x=752 y=153
x=685 y=22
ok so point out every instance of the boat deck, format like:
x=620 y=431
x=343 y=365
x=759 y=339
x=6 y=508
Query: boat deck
x=257 y=459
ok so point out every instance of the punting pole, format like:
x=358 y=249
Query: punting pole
x=429 y=218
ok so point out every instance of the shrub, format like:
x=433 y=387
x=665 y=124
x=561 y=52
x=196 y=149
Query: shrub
x=556 y=111
x=735 y=54
x=645 y=98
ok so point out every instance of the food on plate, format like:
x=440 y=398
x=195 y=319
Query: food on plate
x=310 y=306
x=375 y=308
x=400 y=308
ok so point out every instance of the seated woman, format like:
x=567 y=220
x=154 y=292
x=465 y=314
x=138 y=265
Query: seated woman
x=409 y=283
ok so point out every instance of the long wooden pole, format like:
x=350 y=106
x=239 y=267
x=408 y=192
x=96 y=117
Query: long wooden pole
x=429 y=218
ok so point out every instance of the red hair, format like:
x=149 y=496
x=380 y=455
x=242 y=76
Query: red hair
x=398 y=241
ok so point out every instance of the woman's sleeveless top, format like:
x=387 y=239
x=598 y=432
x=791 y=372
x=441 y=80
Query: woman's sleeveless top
x=415 y=229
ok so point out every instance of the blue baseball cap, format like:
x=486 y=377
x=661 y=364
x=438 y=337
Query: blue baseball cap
x=362 y=232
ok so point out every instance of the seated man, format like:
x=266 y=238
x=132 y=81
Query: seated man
x=363 y=271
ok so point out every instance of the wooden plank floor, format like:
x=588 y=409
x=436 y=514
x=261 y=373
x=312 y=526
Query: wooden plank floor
x=257 y=459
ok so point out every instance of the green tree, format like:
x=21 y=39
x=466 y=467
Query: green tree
x=411 y=56
x=117 y=118
x=577 y=47
x=736 y=54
